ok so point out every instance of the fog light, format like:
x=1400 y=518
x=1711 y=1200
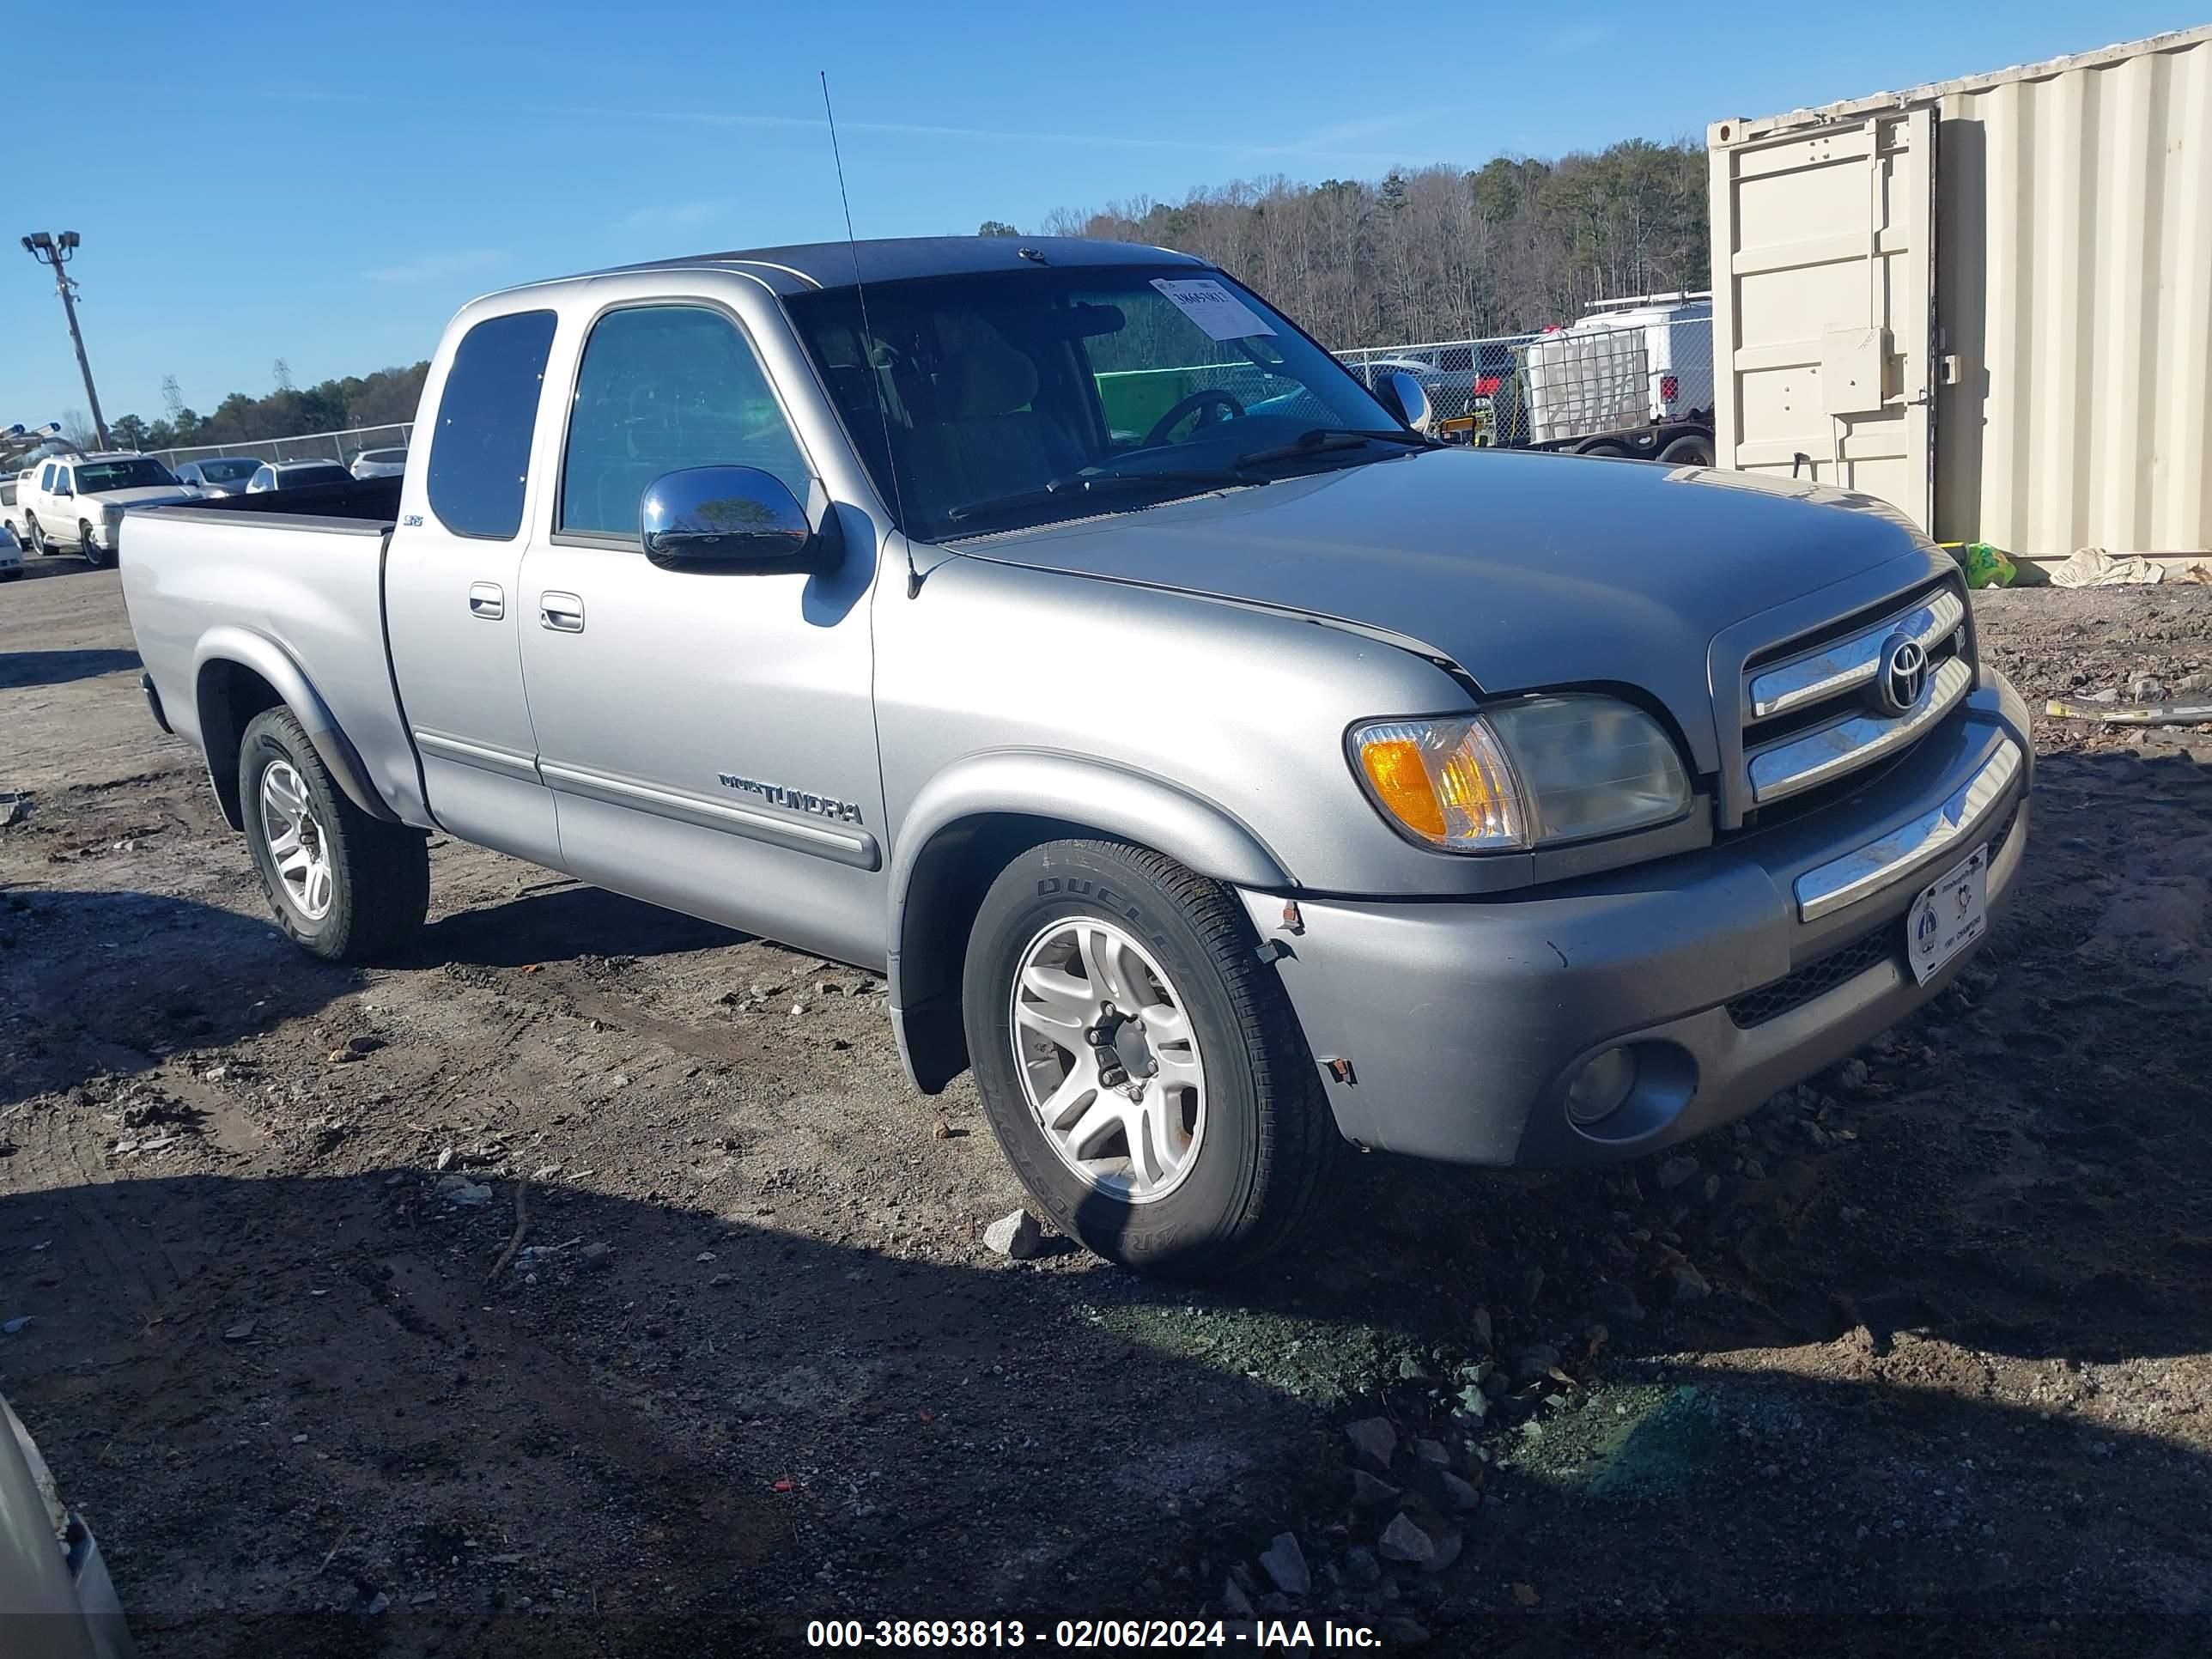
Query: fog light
x=1601 y=1087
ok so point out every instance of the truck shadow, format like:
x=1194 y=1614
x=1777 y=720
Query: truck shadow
x=687 y=1434
x=117 y=982
x=19 y=669
x=569 y=921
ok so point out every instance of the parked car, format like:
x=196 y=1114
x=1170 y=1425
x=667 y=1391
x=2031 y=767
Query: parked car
x=1261 y=785
x=11 y=556
x=219 y=475
x=379 y=462
x=75 y=503
x=294 y=475
x=57 y=1601
x=11 y=512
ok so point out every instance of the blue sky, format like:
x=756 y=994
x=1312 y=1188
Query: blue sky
x=325 y=183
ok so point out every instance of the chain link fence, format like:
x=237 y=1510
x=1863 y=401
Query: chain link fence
x=341 y=446
x=1617 y=371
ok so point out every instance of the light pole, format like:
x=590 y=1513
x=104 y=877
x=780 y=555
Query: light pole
x=49 y=249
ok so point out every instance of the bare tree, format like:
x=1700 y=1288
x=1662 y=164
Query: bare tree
x=1439 y=254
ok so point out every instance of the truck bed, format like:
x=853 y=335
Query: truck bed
x=235 y=597
x=374 y=500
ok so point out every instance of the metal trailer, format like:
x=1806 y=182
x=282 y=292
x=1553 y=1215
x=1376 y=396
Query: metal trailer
x=1987 y=301
x=1632 y=378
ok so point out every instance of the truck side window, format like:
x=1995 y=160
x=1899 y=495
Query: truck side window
x=662 y=388
x=480 y=442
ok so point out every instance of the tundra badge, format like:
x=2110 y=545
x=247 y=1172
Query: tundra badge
x=798 y=800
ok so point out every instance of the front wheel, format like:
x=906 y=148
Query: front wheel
x=1140 y=1064
x=85 y=545
x=344 y=886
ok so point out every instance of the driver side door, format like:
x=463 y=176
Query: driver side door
x=708 y=734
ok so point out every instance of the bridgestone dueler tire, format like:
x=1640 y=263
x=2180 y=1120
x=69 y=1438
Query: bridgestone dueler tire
x=1270 y=1157
x=381 y=871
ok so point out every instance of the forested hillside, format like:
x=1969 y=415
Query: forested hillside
x=1440 y=254
x=386 y=396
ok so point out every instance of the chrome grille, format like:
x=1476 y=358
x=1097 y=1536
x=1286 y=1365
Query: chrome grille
x=1811 y=713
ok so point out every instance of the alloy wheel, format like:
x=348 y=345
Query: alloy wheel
x=299 y=845
x=1108 y=1059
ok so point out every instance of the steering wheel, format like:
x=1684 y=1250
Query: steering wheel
x=1199 y=399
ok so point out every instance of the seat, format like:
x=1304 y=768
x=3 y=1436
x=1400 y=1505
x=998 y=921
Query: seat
x=986 y=441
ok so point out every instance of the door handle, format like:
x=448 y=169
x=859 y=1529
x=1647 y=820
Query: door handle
x=561 y=612
x=488 y=600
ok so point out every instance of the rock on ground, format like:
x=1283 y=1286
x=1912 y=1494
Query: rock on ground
x=1016 y=1235
x=1285 y=1563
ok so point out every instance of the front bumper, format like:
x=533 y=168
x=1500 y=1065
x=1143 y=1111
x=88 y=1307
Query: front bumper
x=1459 y=1024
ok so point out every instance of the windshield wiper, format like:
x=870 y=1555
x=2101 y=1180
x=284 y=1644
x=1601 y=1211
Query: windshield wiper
x=1061 y=492
x=1323 y=439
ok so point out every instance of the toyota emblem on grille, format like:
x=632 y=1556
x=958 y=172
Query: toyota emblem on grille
x=1903 y=675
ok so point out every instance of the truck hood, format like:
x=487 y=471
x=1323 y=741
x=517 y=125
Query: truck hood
x=146 y=495
x=1524 y=570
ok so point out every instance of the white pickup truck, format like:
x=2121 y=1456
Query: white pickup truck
x=1226 y=771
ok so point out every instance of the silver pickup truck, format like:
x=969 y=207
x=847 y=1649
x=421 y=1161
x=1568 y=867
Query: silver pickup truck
x=1226 y=773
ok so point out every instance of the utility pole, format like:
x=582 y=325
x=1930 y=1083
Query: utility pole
x=50 y=249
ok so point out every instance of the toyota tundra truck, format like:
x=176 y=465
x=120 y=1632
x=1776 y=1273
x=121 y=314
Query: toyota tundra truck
x=1228 y=785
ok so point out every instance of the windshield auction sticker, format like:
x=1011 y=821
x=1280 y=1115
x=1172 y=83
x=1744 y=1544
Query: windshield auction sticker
x=1213 y=308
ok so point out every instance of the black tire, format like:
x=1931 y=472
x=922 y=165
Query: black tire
x=39 y=544
x=1691 y=449
x=91 y=555
x=381 y=872
x=1270 y=1155
x=1604 y=447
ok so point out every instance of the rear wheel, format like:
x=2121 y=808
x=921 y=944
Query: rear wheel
x=1691 y=449
x=38 y=536
x=344 y=886
x=1140 y=1066
x=1604 y=447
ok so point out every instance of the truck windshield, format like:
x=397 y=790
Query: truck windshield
x=136 y=473
x=1014 y=398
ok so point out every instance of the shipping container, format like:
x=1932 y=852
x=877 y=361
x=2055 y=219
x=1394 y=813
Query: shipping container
x=1987 y=301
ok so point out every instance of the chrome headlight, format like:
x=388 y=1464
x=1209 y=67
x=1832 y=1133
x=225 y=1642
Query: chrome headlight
x=1523 y=774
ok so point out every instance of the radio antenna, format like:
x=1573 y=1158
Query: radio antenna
x=868 y=342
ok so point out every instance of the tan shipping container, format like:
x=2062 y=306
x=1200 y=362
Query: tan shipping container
x=1988 y=301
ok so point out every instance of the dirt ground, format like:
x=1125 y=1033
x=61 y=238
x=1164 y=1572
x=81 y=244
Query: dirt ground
x=1915 y=1359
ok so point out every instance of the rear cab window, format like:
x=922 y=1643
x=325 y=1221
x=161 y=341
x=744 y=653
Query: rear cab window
x=480 y=441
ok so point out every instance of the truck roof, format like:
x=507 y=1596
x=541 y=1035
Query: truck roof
x=805 y=266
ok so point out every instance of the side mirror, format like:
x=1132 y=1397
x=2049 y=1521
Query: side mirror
x=1406 y=398
x=737 y=517
x=62 y=489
